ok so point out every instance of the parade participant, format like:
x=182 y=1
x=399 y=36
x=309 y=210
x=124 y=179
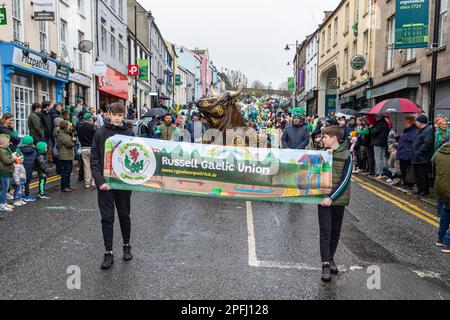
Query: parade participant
x=66 y=146
x=7 y=159
x=167 y=130
x=441 y=172
x=195 y=128
x=108 y=198
x=422 y=152
x=331 y=210
x=296 y=136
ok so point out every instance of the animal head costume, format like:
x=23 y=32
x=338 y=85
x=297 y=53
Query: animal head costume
x=221 y=111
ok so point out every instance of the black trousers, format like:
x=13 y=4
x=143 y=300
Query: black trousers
x=421 y=172
x=107 y=201
x=404 y=167
x=330 y=224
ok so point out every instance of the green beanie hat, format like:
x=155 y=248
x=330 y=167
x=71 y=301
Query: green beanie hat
x=67 y=108
x=41 y=147
x=27 y=140
x=87 y=116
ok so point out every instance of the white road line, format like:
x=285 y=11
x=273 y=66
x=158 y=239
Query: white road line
x=254 y=262
x=252 y=259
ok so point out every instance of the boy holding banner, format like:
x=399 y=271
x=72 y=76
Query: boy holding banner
x=331 y=210
x=108 y=198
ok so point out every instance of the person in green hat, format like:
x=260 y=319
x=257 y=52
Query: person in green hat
x=296 y=136
x=42 y=169
x=27 y=148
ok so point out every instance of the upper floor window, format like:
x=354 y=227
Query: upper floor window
x=121 y=8
x=390 y=44
x=443 y=22
x=43 y=35
x=80 y=6
x=63 y=31
x=113 y=5
x=17 y=19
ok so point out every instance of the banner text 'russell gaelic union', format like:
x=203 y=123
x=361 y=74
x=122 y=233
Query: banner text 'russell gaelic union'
x=280 y=175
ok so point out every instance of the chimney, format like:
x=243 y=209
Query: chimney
x=327 y=15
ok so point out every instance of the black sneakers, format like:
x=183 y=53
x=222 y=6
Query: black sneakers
x=333 y=267
x=108 y=261
x=326 y=272
x=127 y=256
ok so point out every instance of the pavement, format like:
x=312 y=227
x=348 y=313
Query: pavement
x=207 y=248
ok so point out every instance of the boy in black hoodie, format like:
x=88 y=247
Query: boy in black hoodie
x=107 y=197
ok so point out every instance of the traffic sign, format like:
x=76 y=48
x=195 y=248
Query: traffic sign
x=133 y=70
x=3 y=20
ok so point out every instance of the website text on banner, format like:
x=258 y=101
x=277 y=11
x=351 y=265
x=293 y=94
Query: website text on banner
x=296 y=176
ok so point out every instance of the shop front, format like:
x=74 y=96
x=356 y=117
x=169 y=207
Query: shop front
x=354 y=98
x=311 y=102
x=112 y=88
x=28 y=76
x=406 y=86
x=79 y=89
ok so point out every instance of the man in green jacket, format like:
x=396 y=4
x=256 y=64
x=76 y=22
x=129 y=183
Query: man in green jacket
x=441 y=172
x=66 y=146
x=35 y=124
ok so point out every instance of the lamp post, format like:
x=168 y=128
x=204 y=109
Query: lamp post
x=434 y=49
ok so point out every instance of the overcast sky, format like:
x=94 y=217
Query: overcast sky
x=246 y=35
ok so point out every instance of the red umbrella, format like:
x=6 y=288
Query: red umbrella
x=395 y=106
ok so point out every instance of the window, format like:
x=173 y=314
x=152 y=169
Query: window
x=113 y=5
x=103 y=32
x=390 y=44
x=336 y=30
x=80 y=6
x=323 y=42
x=329 y=38
x=368 y=6
x=113 y=43
x=347 y=18
x=411 y=54
x=346 y=63
x=121 y=49
x=43 y=32
x=63 y=31
x=17 y=19
x=121 y=8
x=80 y=54
x=355 y=52
x=443 y=22
x=366 y=45
x=356 y=16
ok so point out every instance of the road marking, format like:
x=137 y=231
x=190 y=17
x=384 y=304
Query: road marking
x=401 y=206
x=253 y=259
x=403 y=201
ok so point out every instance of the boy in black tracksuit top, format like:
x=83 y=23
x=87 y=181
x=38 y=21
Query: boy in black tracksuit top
x=107 y=197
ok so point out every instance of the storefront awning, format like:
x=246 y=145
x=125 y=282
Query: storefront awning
x=407 y=81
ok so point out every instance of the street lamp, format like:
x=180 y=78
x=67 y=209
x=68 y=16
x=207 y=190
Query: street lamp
x=287 y=48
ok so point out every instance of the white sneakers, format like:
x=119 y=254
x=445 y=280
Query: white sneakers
x=4 y=208
x=19 y=203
